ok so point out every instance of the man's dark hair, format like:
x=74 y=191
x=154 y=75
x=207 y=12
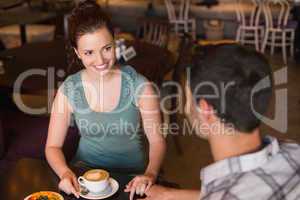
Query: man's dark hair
x=233 y=71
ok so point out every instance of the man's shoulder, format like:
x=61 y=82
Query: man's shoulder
x=289 y=153
x=290 y=146
x=257 y=188
x=274 y=175
x=280 y=182
x=236 y=186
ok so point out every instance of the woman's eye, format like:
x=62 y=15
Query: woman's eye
x=108 y=48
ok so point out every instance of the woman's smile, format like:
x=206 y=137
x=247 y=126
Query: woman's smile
x=102 y=67
x=96 y=51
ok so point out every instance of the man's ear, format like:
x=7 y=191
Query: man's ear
x=206 y=110
x=76 y=52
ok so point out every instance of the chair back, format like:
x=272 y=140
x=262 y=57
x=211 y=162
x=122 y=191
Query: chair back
x=178 y=14
x=179 y=76
x=276 y=13
x=178 y=9
x=256 y=7
x=10 y=4
x=66 y=26
x=154 y=31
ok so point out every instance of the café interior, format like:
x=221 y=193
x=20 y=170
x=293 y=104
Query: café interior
x=33 y=38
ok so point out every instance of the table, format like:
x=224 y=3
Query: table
x=23 y=17
x=31 y=175
x=50 y=61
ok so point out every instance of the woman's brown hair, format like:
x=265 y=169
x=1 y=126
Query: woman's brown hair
x=85 y=18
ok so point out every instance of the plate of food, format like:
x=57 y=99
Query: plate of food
x=44 y=195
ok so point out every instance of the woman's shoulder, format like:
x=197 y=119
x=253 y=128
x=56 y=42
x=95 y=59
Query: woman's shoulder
x=70 y=83
x=136 y=82
x=73 y=78
x=129 y=70
x=132 y=73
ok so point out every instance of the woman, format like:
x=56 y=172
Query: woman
x=106 y=101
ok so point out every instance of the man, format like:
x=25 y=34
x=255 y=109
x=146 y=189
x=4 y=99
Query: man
x=220 y=105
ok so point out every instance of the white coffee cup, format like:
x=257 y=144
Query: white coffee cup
x=95 y=180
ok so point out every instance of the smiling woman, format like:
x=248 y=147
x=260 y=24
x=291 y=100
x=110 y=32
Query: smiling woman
x=100 y=97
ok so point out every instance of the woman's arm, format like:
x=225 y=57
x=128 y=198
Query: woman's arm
x=148 y=104
x=58 y=127
x=150 y=111
x=157 y=192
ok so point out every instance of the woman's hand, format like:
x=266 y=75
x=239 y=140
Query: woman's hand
x=140 y=184
x=68 y=183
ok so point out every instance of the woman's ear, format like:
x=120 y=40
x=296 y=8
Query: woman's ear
x=75 y=50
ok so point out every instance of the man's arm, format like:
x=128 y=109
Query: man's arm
x=163 y=193
x=176 y=194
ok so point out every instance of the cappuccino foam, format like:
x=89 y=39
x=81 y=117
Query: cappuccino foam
x=96 y=175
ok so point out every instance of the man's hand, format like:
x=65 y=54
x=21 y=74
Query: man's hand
x=68 y=183
x=157 y=192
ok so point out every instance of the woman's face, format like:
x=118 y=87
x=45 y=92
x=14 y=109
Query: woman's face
x=96 y=50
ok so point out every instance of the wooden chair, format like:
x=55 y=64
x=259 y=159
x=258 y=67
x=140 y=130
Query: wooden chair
x=154 y=31
x=280 y=31
x=178 y=14
x=66 y=25
x=176 y=103
x=249 y=31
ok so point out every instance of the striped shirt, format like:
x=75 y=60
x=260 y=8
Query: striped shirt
x=272 y=173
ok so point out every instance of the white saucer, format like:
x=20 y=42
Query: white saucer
x=114 y=187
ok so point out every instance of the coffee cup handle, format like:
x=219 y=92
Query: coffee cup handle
x=81 y=180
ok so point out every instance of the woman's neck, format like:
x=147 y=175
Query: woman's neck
x=95 y=77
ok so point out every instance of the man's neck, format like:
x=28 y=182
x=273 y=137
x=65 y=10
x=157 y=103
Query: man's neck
x=235 y=144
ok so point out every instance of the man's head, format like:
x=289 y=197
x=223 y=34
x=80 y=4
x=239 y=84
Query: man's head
x=221 y=88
